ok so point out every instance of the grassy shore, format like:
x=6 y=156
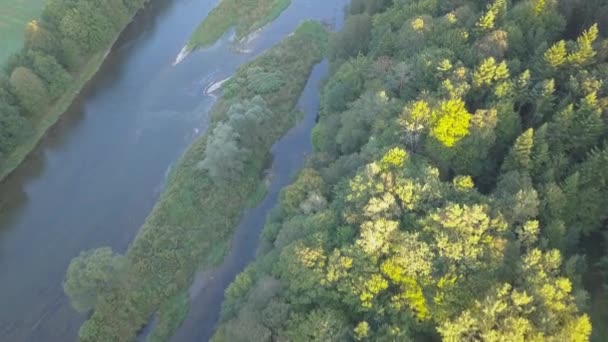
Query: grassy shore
x=44 y=122
x=245 y=16
x=193 y=222
x=47 y=119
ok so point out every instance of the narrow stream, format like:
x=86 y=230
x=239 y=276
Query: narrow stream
x=289 y=155
x=97 y=174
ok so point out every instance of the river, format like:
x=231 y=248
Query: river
x=96 y=175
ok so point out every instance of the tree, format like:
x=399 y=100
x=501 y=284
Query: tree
x=31 y=91
x=516 y=197
x=57 y=79
x=519 y=157
x=452 y=123
x=472 y=154
x=542 y=170
x=357 y=122
x=39 y=38
x=263 y=82
x=556 y=314
x=224 y=158
x=507 y=314
x=490 y=72
x=415 y=120
x=250 y=121
x=556 y=55
x=317 y=326
x=583 y=53
x=13 y=128
x=87 y=26
x=90 y=275
x=345 y=86
x=464 y=234
x=352 y=40
x=495 y=11
x=247 y=327
x=494 y=44
x=308 y=183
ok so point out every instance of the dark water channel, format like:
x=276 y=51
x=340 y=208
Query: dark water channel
x=97 y=174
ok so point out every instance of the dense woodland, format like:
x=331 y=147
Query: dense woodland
x=459 y=184
x=56 y=50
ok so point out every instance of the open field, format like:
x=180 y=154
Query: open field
x=14 y=14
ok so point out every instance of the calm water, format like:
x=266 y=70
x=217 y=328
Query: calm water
x=97 y=174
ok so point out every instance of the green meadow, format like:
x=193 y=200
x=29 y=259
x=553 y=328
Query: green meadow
x=14 y=15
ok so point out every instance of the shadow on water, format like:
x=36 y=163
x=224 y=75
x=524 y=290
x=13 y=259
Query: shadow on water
x=289 y=155
x=96 y=175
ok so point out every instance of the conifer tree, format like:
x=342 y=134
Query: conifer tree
x=519 y=157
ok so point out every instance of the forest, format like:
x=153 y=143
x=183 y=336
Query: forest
x=62 y=50
x=458 y=187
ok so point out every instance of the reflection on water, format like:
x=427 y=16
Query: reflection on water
x=98 y=172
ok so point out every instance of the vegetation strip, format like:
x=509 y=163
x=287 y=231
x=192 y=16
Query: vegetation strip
x=62 y=51
x=245 y=16
x=194 y=219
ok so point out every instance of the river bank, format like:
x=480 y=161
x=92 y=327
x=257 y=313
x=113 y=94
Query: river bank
x=59 y=107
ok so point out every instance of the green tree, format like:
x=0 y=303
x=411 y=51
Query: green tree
x=519 y=157
x=87 y=26
x=13 y=128
x=250 y=121
x=556 y=55
x=224 y=158
x=516 y=197
x=30 y=90
x=317 y=325
x=352 y=40
x=463 y=234
x=39 y=38
x=56 y=77
x=584 y=52
x=473 y=153
x=452 y=122
x=90 y=275
x=309 y=183
x=247 y=327
x=345 y=86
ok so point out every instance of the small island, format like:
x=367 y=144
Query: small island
x=244 y=16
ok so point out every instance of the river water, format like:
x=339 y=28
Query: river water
x=97 y=174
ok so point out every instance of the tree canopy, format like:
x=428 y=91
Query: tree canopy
x=461 y=157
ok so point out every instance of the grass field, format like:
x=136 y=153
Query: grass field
x=14 y=14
